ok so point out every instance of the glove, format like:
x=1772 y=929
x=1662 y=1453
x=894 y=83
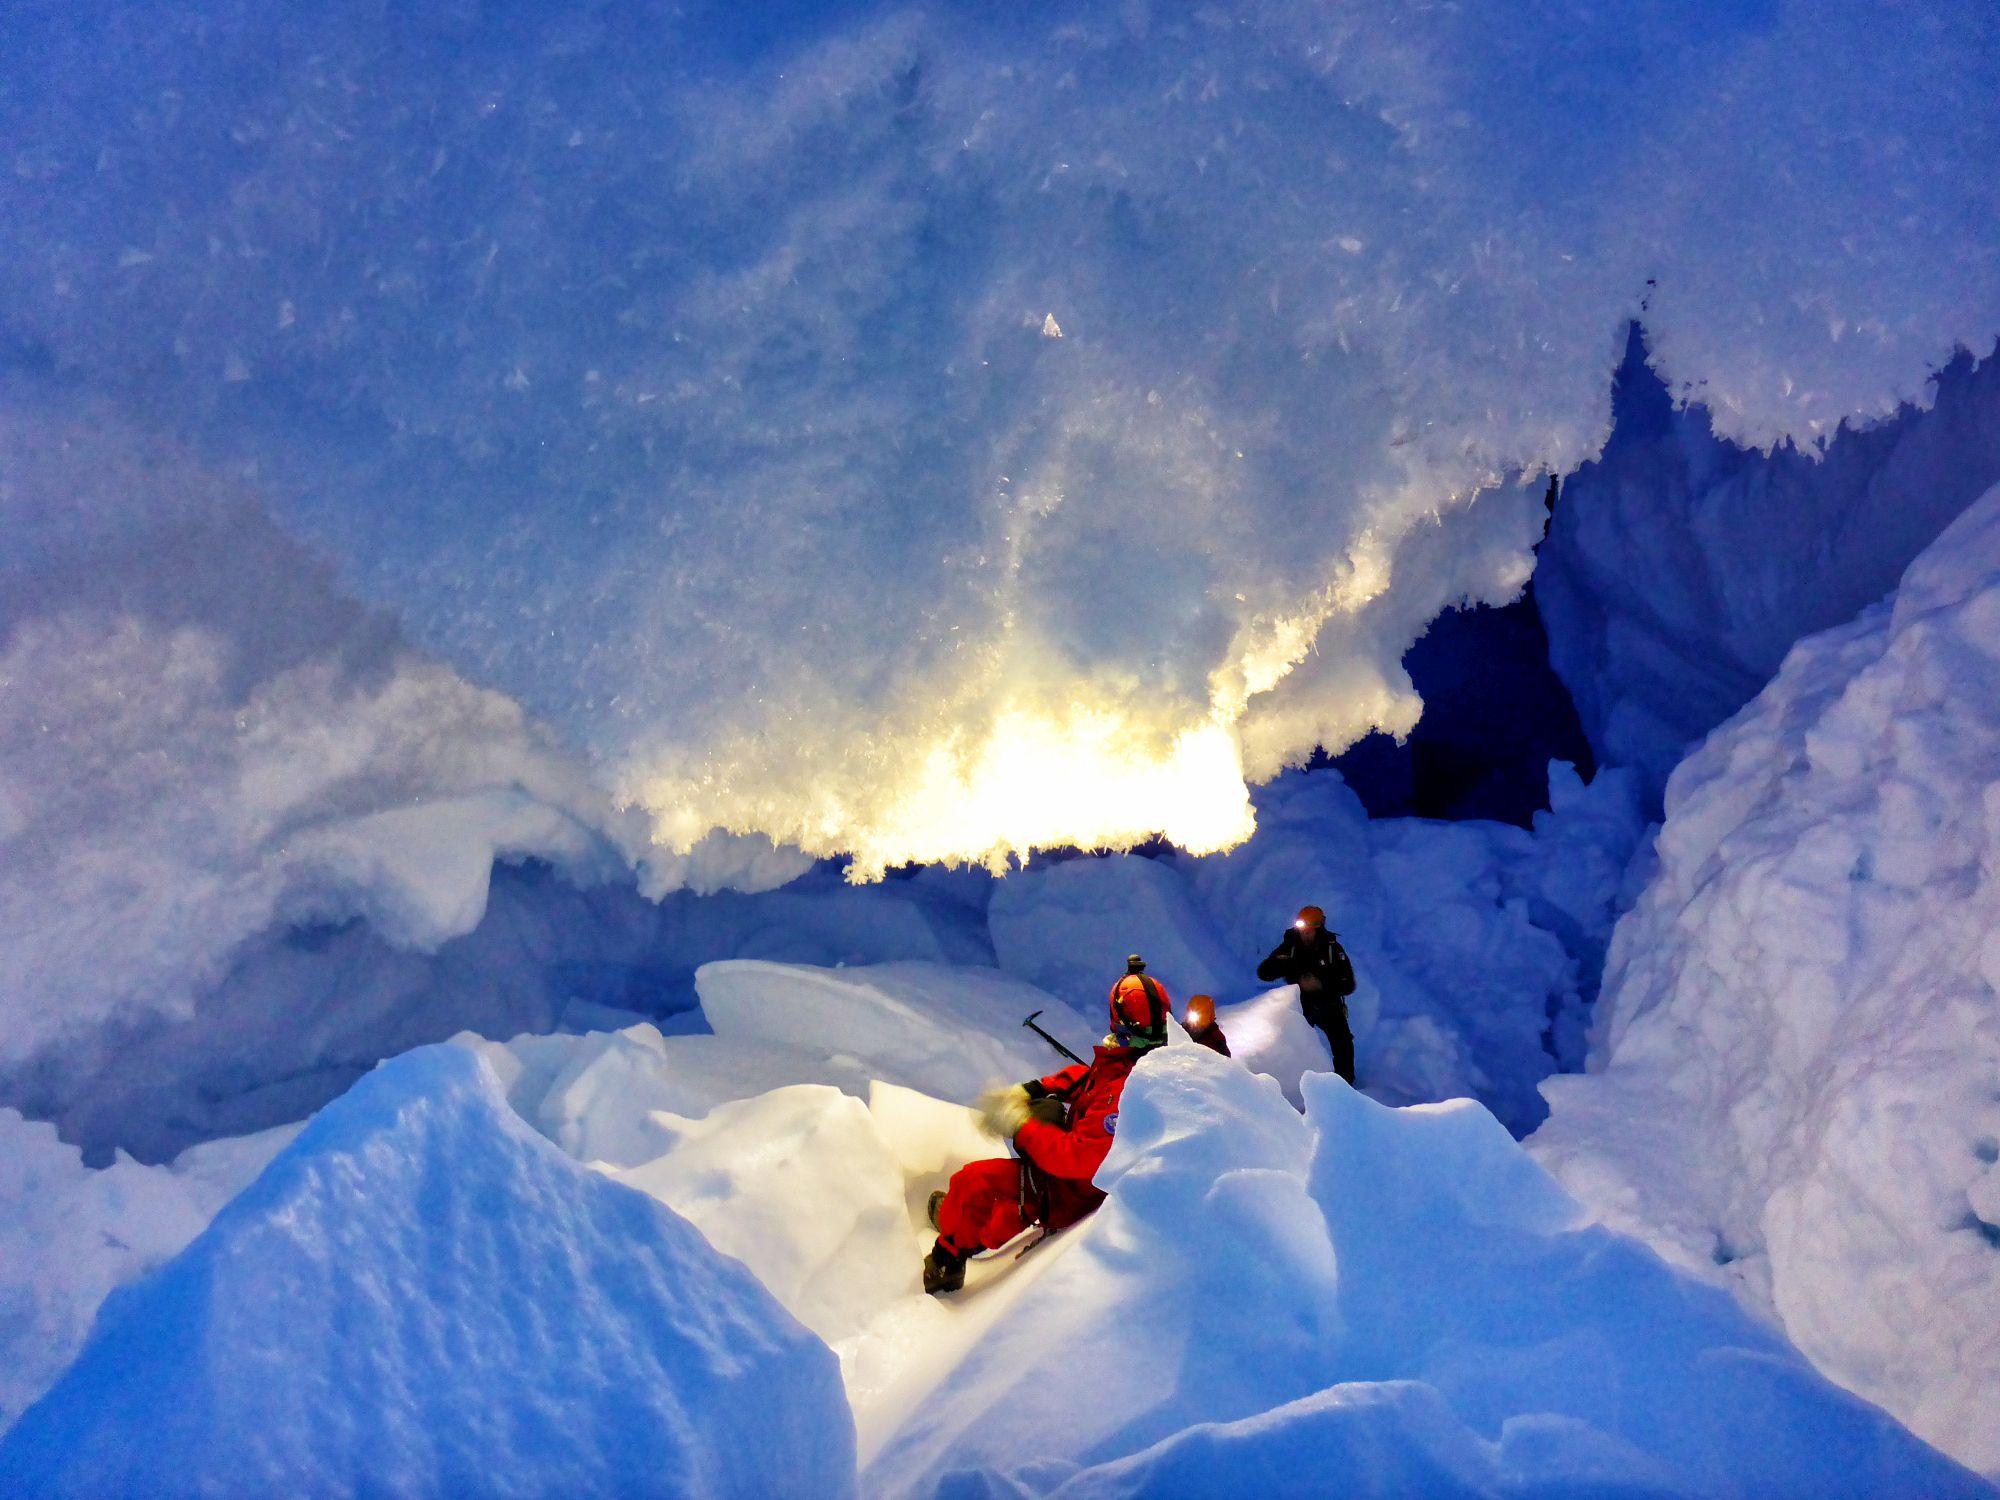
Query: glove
x=1003 y=1110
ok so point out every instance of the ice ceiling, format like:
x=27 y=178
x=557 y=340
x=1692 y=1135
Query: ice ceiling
x=930 y=432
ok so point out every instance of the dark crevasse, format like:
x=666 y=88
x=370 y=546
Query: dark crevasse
x=1495 y=715
x=1678 y=570
x=1680 y=567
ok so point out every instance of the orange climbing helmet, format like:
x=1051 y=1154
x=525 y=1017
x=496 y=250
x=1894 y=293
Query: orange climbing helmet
x=1139 y=1007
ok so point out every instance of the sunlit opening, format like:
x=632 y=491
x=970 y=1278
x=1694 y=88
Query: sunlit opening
x=1038 y=782
x=1088 y=778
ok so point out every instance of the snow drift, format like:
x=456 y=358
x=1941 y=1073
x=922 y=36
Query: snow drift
x=908 y=433
x=72 y=1233
x=420 y=1296
x=1401 y=1292
x=798 y=1138
x=1406 y=1283
x=946 y=1032
x=1792 y=1076
x=943 y=1031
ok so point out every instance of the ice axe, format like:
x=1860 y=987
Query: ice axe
x=1030 y=1024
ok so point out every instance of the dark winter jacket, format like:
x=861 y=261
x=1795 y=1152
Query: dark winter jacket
x=1213 y=1039
x=1295 y=957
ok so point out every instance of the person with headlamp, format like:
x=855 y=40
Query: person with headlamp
x=1062 y=1126
x=1311 y=957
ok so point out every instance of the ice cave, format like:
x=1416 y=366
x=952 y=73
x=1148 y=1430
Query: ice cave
x=957 y=752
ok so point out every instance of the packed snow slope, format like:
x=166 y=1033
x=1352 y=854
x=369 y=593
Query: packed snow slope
x=420 y=1294
x=1680 y=567
x=71 y=1234
x=932 y=431
x=1379 y=1302
x=422 y=1297
x=1793 y=1069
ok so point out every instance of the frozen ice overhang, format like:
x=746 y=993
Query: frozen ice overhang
x=708 y=399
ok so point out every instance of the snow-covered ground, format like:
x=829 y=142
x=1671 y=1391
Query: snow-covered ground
x=421 y=1297
x=447 y=1284
x=1794 y=1079
x=72 y=1233
x=456 y=461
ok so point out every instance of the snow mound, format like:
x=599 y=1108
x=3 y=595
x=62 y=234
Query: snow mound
x=420 y=1296
x=1271 y=1035
x=1680 y=567
x=893 y=1039
x=70 y=1234
x=819 y=1194
x=799 y=1186
x=1792 y=1083
x=1405 y=1284
x=803 y=1137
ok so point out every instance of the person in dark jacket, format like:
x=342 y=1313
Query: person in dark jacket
x=1062 y=1125
x=1312 y=958
x=1202 y=1026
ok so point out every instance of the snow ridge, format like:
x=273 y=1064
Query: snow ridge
x=1792 y=1070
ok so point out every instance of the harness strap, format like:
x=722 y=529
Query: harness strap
x=1159 y=1016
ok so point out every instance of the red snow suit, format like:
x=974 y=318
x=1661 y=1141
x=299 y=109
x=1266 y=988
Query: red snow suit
x=989 y=1202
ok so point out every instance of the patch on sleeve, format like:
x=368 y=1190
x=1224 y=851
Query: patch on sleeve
x=1111 y=1123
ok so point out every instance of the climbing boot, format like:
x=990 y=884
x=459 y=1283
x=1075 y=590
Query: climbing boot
x=943 y=1271
x=931 y=1209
